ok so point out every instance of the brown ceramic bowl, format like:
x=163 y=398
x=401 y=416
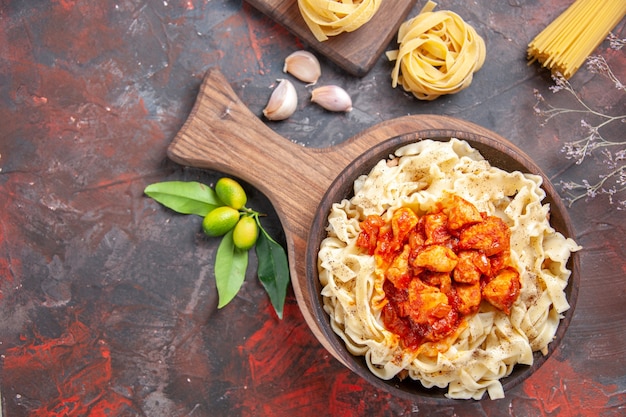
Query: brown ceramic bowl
x=499 y=153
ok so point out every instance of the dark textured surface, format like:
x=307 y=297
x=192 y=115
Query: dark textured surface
x=107 y=300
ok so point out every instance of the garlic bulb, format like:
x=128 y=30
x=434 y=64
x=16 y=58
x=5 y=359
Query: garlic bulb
x=282 y=102
x=332 y=98
x=304 y=66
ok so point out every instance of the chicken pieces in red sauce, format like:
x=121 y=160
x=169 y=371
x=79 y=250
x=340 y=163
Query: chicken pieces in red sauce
x=439 y=267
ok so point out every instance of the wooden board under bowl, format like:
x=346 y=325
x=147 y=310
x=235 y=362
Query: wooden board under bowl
x=222 y=134
x=355 y=52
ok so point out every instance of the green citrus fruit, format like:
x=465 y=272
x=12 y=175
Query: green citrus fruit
x=220 y=220
x=231 y=193
x=246 y=232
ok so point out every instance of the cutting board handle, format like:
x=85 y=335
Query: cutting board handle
x=222 y=134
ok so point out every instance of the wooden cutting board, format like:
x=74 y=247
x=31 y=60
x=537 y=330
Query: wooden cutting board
x=222 y=134
x=355 y=52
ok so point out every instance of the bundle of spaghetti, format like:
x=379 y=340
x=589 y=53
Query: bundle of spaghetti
x=438 y=54
x=564 y=45
x=332 y=17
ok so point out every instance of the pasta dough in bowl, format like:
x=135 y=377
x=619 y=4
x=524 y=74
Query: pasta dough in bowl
x=444 y=266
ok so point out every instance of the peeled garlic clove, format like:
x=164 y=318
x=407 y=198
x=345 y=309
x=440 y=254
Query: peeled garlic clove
x=282 y=102
x=304 y=66
x=332 y=98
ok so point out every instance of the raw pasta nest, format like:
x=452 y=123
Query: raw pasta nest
x=438 y=54
x=332 y=17
x=491 y=342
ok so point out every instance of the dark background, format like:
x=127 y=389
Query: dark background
x=107 y=300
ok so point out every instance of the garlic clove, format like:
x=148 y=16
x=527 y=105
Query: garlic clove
x=304 y=66
x=332 y=98
x=282 y=102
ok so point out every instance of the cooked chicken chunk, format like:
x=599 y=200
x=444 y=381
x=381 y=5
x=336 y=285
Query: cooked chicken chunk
x=368 y=238
x=500 y=261
x=469 y=298
x=402 y=222
x=503 y=289
x=398 y=271
x=472 y=264
x=491 y=236
x=416 y=239
x=440 y=280
x=426 y=303
x=435 y=228
x=436 y=258
x=462 y=213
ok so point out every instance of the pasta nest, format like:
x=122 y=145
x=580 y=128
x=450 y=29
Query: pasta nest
x=332 y=17
x=438 y=54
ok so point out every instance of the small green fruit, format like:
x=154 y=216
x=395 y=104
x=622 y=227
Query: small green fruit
x=231 y=193
x=220 y=220
x=246 y=233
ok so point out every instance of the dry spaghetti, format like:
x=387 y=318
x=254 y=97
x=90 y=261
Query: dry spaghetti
x=332 y=17
x=438 y=54
x=565 y=43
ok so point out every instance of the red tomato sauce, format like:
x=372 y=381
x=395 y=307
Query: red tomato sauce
x=439 y=267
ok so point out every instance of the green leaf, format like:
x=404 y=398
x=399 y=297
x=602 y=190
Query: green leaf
x=186 y=197
x=273 y=270
x=230 y=269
